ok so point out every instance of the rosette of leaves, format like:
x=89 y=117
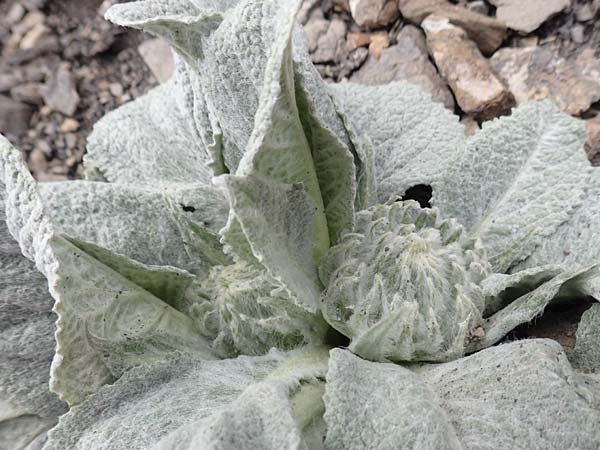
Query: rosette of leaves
x=240 y=215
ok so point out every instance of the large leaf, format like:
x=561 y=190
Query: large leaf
x=152 y=140
x=252 y=94
x=27 y=407
x=576 y=241
x=412 y=137
x=517 y=180
x=240 y=403
x=338 y=169
x=569 y=284
x=277 y=220
x=106 y=323
x=586 y=354
x=519 y=395
x=149 y=225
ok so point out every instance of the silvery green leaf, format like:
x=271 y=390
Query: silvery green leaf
x=252 y=95
x=501 y=289
x=149 y=225
x=244 y=310
x=382 y=406
x=27 y=432
x=150 y=141
x=277 y=220
x=586 y=354
x=568 y=284
x=518 y=395
x=576 y=241
x=517 y=180
x=403 y=285
x=27 y=407
x=412 y=137
x=188 y=403
x=336 y=166
x=106 y=323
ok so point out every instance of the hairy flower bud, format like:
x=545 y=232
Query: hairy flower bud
x=404 y=285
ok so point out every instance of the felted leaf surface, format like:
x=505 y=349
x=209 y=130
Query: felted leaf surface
x=412 y=137
x=106 y=323
x=568 y=284
x=586 y=354
x=501 y=289
x=244 y=310
x=519 y=395
x=403 y=285
x=186 y=404
x=277 y=220
x=381 y=406
x=27 y=407
x=151 y=141
x=252 y=94
x=336 y=166
x=576 y=241
x=147 y=225
x=517 y=180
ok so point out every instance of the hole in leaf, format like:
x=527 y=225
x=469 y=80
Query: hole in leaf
x=187 y=208
x=421 y=193
x=336 y=339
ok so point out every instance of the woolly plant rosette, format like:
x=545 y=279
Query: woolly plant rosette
x=243 y=269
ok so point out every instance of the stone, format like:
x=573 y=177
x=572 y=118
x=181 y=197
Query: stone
x=578 y=33
x=14 y=116
x=374 y=13
x=356 y=40
x=341 y=5
x=477 y=89
x=527 y=16
x=60 y=92
x=331 y=46
x=28 y=93
x=14 y=14
x=37 y=161
x=116 y=89
x=535 y=73
x=471 y=126
x=157 y=55
x=378 y=43
x=487 y=32
x=592 y=143
x=34 y=36
x=316 y=27
x=69 y=125
x=585 y=12
x=407 y=60
x=8 y=81
x=479 y=7
x=306 y=9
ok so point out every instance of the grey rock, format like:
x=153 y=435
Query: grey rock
x=14 y=14
x=479 y=7
x=157 y=55
x=28 y=93
x=331 y=46
x=535 y=73
x=585 y=12
x=578 y=33
x=527 y=16
x=374 y=13
x=407 y=60
x=59 y=92
x=477 y=89
x=8 y=81
x=487 y=32
x=315 y=27
x=14 y=116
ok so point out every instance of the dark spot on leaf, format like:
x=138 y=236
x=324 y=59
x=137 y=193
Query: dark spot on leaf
x=187 y=208
x=421 y=193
